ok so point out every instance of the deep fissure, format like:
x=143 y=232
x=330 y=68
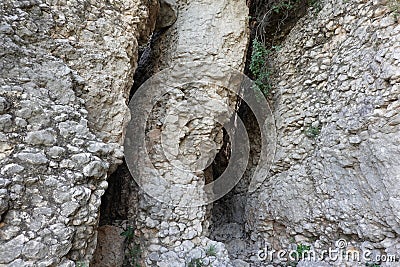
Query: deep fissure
x=326 y=178
x=227 y=216
x=121 y=185
x=119 y=202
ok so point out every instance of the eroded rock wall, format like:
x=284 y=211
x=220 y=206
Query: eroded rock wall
x=65 y=71
x=100 y=40
x=336 y=102
x=205 y=31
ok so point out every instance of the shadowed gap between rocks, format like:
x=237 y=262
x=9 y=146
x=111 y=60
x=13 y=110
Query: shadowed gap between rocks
x=228 y=215
x=116 y=204
x=119 y=202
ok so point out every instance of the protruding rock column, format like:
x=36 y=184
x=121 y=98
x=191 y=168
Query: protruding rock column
x=184 y=132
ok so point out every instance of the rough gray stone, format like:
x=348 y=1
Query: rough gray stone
x=95 y=169
x=337 y=185
x=35 y=250
x=12 y=249
x=5 y=122
x=55 y=152
x=4 y=105
x=43 y=137
x=168 y=13
x=11 y=169
x=3 y=201
x=65 y=75
x=32 y=158
x=240 y=263
x=191 y=37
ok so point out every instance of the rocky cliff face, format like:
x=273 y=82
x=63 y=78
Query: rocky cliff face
x=66 y=69
x=336 y=102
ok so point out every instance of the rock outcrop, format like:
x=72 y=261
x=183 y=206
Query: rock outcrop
x=336 y=101
x=183 y=132
x=65 y=72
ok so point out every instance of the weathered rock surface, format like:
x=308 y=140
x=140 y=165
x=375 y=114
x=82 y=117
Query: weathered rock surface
x=110 y=247
x=214 y=32
x=336 y=173
x=65 y=71
x=99 y=41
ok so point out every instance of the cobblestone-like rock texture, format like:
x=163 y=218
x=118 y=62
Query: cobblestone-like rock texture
x=65 y=71
x=336 y=102
x=215 y=32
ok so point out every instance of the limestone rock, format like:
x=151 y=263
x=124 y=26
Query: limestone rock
x=183 y=129
x=43 y=137
x=65 y=72
x=110 y=247
x=12 y=249
x=240 y=263
x=168 y=13
x=4 y=105
x=343 y=182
